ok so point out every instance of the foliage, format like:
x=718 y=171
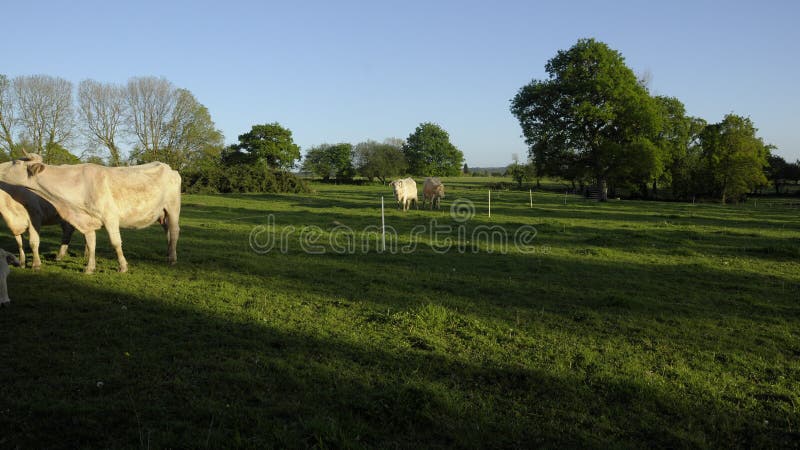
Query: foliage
x=780 y=172
x=591 y=117
x=186 y=129
x=735 y=157
x=521 y=172
x=56 y=154
x=241 y=178
x=330 y=161
x=381 y=161
x=268 y=144
x=429 y=152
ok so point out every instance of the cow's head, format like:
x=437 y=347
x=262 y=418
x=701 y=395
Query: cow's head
x=397 y=186
x=20 y=171
x=440 y=191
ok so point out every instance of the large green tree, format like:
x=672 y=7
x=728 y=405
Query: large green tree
x=429 y=152
x=590 y=117
x=330 y=161
x=270 y=144
x=734 y=156
x=379 y=160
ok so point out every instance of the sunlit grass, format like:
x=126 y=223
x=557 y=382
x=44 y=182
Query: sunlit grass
x=621 y=324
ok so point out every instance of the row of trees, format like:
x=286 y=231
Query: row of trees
x=160 y=121
x=594 y=122
x=427 y=152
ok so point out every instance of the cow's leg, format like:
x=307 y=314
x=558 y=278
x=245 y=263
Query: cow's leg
x=91 y=240
x=21 y=248
x=116 y=242
x=66 y=236
x=173 y=229
x=33 y=240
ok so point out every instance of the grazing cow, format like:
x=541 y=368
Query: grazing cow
x=90 y=196
x=5 y=259
x=432 y=191
x=405 y=192
x=23 y=210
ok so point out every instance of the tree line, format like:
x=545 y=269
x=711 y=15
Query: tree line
x=426 y=152
x=41 y=114
x=594 y=123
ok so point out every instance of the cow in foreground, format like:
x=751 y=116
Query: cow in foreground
x=22 y=210
x=405 y=192
x=90 y=196
x=432 y=191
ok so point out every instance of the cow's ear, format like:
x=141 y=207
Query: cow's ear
x=35 y=169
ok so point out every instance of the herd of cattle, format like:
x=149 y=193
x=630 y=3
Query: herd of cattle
x=86 y=197
x=405 y=192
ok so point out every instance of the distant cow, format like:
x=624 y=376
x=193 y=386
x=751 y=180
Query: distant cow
x=22 y=210
x=405 y=192
x=90 y=196
x=432 y=191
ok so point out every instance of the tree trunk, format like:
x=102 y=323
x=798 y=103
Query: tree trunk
x=655 y=188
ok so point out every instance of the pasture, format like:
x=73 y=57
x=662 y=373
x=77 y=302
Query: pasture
x=625 y=324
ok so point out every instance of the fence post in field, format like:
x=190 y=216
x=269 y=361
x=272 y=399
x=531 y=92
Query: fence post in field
x=565 y=197
x=490 y=203
x=530 y=192
x=383 y=228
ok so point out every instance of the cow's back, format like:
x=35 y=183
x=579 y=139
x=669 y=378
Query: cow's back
x=142 y=193
x=410 y=188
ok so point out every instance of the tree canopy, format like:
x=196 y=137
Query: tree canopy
x=734 y=156
x=270 y=144
x=330 y=161
x=381 y=161
x=429 y=152
x=591 y=117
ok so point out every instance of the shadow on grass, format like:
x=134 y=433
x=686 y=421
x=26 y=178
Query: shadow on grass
x=92 y=366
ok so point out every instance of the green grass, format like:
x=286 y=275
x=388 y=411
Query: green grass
x=625 y=324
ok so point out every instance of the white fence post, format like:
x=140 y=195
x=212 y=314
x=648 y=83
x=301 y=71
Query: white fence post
x=383 y=228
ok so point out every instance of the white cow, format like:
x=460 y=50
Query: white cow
x=6 y=259
x=90 y=196
x=22 y=210
x=432 y=191
x=405 y=192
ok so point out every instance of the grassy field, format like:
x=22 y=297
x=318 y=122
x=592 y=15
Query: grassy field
x=625 y=324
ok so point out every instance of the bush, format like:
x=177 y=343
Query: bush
x=241 y=178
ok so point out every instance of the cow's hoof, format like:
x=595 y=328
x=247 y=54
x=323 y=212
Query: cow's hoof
x=88 y=271
x=4 y=303
x=123 y=269
x=37 y=268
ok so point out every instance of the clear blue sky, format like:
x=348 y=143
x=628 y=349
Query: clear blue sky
x=356 y=70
